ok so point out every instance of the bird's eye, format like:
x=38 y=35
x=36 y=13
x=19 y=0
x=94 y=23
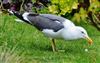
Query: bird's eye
x=82 y=32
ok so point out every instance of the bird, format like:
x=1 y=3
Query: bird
x=53 y=26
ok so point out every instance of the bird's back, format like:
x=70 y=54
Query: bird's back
x=45 y=22
x=53 y=17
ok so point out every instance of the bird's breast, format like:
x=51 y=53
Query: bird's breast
x=50 y=33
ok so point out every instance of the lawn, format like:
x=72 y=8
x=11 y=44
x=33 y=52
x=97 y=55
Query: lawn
x=22 y=43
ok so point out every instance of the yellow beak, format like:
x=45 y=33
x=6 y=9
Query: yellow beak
x=89 y=40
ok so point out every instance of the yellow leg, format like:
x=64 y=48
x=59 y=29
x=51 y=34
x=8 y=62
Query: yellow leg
x=53 y=45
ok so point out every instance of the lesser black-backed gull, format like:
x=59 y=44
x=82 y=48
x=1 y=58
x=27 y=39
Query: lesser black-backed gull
x=53 y=26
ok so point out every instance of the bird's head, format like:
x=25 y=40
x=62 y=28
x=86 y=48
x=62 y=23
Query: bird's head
x=83 y=34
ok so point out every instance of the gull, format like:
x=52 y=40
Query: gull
x=53 y=26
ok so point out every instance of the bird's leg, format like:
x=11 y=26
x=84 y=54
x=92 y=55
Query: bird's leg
x=53 y=45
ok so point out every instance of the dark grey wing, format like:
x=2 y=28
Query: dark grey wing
x=41 y=22
x=53 y=17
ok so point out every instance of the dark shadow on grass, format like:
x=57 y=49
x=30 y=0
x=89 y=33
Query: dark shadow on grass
x=69 y=49
x=42 y=48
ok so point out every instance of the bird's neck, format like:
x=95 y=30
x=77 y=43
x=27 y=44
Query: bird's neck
x=70 y=34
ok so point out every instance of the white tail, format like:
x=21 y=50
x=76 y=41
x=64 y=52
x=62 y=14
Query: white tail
x=18 y=20
x=10 y=11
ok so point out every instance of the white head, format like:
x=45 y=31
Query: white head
x=81 y=33
x=76 y=32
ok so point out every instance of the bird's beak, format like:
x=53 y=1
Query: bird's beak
x=89 y=40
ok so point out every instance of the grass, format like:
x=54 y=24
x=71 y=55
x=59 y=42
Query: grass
x=22 y=43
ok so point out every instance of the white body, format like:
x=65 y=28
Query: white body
x=69 y=32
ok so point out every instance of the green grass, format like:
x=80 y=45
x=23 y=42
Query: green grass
x=22 y=43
